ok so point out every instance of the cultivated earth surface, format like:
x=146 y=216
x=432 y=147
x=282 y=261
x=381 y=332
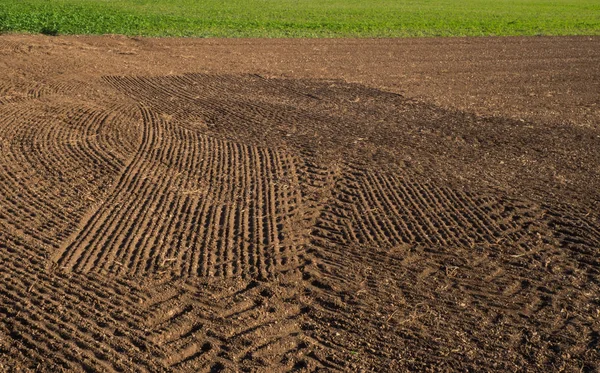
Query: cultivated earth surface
x=276 y=205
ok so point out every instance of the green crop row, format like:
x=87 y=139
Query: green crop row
x=302 y=18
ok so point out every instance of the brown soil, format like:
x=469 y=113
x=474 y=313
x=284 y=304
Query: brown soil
x=275 y=205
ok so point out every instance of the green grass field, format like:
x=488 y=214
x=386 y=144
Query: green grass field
x=302 y=18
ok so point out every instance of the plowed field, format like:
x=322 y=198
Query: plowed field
x=299 y=205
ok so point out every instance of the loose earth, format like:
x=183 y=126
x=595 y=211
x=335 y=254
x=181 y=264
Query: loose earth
x=281 y=205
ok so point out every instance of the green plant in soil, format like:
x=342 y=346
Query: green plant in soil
x=302 y=18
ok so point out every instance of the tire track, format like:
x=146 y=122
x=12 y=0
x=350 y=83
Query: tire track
x=220 y=107
x=54 y=166
x=36 y=312
x=11 y=93
x=385 y=242
x=238 y=204
x=235 y=325
x=391 y=209
x=56 y=159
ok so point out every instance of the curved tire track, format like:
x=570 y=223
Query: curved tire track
x=192 y=205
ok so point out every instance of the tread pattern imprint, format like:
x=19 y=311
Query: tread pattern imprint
x=192 y=233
